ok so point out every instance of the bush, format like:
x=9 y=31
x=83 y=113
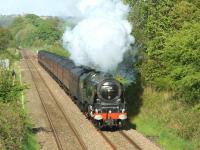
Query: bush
x=10 y=88
x=189 y=89
x=15 y=130
x=11 y=125
x=172 y=46
x=5 y=38
x=32 y=30
x=169 y=32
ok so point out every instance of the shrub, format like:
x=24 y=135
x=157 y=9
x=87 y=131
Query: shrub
x=11 y=125
x=10 y=89
x=31 y=30
x=5 y=38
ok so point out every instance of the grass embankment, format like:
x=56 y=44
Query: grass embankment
x=15 y=126
x=57 y=49
x=169 y=123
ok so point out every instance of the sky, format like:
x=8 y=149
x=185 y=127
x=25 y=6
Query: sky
x=39 y=7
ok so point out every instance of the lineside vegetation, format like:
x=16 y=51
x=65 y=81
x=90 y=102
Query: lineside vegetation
x=32 y=31
x=15 y=127
x=167 y=35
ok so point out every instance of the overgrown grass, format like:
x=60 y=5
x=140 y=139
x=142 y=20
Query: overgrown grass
x=11 y=125
x=15 y=126
x=171 y=124
x=29 y=140
x=162 y=135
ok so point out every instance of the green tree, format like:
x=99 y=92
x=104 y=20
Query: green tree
x=47 y=32
x=5 y=38
x=32 y=30
x=169 y=34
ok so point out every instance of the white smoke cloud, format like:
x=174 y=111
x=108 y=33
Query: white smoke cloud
x=103 y=35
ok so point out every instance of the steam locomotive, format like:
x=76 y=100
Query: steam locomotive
x=97 y=94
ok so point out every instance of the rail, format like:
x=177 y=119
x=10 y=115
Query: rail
x=81 y=142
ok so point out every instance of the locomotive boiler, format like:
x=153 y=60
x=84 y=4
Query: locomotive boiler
x=99 y=96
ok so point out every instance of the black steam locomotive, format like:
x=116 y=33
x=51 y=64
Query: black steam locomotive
x=98 y=94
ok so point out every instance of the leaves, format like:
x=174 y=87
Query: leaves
x=171 y=41
x=31 y=30
x=5 y=38
x=12 y=124
x=10 y=89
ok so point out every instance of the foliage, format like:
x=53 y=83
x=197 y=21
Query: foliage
x=169 y=34
x=10 y=88
x=11 y=125
x=34 y=31
x=15 y=129
x=170 y=123
x=5 y=37
x=121 y=79
x=58 y=49
x=12 y=54
x=47 y=32
x=54 y=48
x=29 y=141
x=167 y=37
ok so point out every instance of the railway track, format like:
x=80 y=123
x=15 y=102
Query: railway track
x=130 y=140
x=108 y=140
x=123 y=141
x=58 y=142
x=113 y=139
x=29 y=62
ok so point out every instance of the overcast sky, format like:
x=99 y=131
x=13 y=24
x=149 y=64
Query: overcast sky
x=39 y=7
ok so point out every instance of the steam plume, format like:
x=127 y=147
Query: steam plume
x=103 y=35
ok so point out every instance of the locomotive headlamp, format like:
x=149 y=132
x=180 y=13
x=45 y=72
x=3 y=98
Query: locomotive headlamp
x=98 y=117
x=123 y=116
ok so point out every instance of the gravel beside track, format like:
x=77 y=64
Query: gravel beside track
x=141 y=141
